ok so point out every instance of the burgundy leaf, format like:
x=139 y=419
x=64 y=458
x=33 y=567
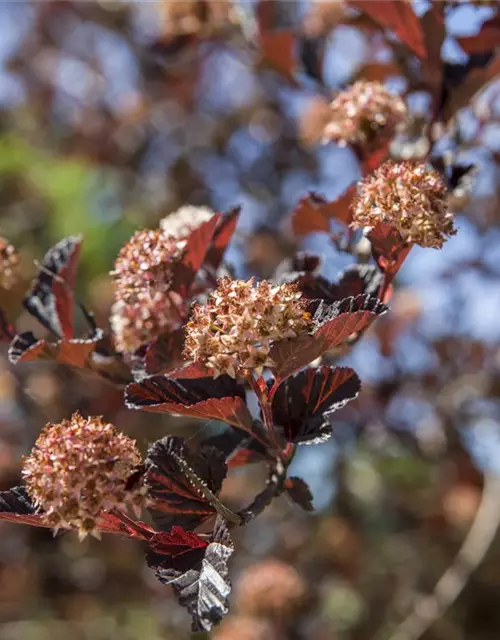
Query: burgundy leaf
x=51 y=299
x=298 y=491
x=76 y=353
x=434 y=30
x=357 y=279
x=122 y=525
x=16 y=506
x=475 y=81
x=400 y=18
x=487 y=39
x=314 y=212
x=387 y=243
x=335 y=324
x=179 y=550
x=301 y=402
x=308 y=216
x=374 y=157
x=222 y=237
x=192 y=370
x=195 y=252
x=179 y=480
x=165 y=352
x=212 y=399
x=204 y=588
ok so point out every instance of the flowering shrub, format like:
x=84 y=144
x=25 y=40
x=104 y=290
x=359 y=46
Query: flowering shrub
x=185 y=338
x=193 y=348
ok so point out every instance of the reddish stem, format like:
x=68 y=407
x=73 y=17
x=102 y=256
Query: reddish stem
x=264 y=401
x=391 y=271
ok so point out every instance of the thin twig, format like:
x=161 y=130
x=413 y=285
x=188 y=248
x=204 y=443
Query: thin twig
x=469 y=557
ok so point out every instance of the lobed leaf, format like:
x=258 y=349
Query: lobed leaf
x=195 y=252
x=335 y=324
x=208 y=398
x=75 y=352
x=178 y=479
x=51 y=299
x=301 y=403
x=204 y=588
x=398 y=17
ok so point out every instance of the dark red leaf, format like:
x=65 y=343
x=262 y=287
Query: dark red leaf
x=16 y=506
x=399 y=17
x=165 y=352
x=434 y=30
x=335 y=324
x=203 y=588
x=371 y=160
x=308 y=217
x=212 y=399
x=303 y=403
x=388 y=247
x=193 y=370
x=488 y=38
x=475 y=81
x=76 y=353
x=357 y=279
x=279 y=51
x=179 y=550
x=51 y=299
x=313 y=212
x=222 y=237
x=195 y=252
x=122 y=525
x=178 y=480
x=298 y=491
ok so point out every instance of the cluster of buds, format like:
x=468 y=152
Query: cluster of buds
x=146 y=261
x=9 y=259
x=410 y=197
x=138 y=321
x=234 y=331
x=362 y=112
x=77 y=469
x=185 y=220
x=145 y=306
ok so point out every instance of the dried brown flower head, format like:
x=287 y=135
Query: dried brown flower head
x=146 y=261
x=233 y=332
x=408 y=196
x=9 y=259
x=137 y=321
x=360 y=113
x=78 y=468
x=271 y=588
x=180 y=223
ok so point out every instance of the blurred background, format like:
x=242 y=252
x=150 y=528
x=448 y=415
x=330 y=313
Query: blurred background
x=114 y=114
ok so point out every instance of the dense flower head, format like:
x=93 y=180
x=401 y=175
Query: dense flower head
x=361 y=112
x=78 y=468
x=146 y=261
x=271 y=588
x=233 y=332
x=140 y=320
x=180 y=223
x=9 y=259
x=408 y=196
